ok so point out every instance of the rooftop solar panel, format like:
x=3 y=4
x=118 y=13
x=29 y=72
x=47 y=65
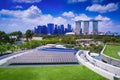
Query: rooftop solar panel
x=44 y=57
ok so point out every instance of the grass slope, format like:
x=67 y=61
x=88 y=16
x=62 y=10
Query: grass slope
x=49 y=73
x=112 y=51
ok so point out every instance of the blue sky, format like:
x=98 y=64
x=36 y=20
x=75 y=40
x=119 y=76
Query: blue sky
x=26 y=14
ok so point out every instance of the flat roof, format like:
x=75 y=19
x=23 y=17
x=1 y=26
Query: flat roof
x=44 y=57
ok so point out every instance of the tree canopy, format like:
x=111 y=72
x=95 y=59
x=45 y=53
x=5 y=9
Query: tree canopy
x=29 y=34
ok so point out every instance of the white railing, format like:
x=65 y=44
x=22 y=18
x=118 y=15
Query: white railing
x=99 y=67
x=102 y=65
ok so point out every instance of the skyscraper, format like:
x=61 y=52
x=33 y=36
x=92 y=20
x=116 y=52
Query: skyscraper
x=78 y=27
x=95 y=27
x=56 y=29
x=44 y=29
x=62 y=29
x=59 y=30
x=86 y=28
x=50 y=28
x=69 y=28
x=40 y=30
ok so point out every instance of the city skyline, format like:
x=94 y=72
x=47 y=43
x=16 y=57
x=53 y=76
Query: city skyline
x=26 y=14
x=52 y=29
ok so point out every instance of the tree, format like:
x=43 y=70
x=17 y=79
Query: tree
x=68 y=40
x=29 y=34
x=18 y=34
x=3 y=48
x=12 y=48
x=4 y=38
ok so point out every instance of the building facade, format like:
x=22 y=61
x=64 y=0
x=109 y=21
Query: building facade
x=95 y=27
x=86 y=28
x=50 y=28
x=78 y=27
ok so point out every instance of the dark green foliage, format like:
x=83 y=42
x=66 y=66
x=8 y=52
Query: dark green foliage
x=68 y=40
x=18 y=34
x=4 y=38
x=69 y=46
x=95 y=48
x=4 y=48
x=29 y=34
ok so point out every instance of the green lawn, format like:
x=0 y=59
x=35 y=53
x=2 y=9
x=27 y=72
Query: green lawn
x=112 y=51
x=49 y=73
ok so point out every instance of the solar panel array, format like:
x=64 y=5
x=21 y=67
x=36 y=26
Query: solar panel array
x=44 y=57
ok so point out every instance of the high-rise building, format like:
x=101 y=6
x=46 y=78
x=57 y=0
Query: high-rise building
x=66 y=30
x=80 y=30
x=35 y=30
x=62 y=29
x=40 y=30
x=69 y=29
x=78 y=27
x=56 y=29
x=95 y=27
x=44 y=29
x=50 y=28
x=59 y=30
x=86 y=28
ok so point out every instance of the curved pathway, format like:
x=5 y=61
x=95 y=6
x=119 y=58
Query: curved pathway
x=81 y=56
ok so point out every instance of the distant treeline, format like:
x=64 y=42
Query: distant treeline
x=7 y=41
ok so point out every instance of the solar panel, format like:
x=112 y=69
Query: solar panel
x=39 y=56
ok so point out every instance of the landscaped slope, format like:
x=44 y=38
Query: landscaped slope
x=112 y=51
x=49 y=73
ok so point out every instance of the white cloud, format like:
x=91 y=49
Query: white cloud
x=31 y=12
x=18 y=7
x=33 y=16
x=68 y=14
x=81 y=17
x=26 y=19
x=99 y=17
x=103 y=8
x=27 y=1
x=106 y=23
x=75 y=1
x=60 y=20
x=97 y=1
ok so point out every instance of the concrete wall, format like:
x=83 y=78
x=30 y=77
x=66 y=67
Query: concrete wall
x=96 y=69
x=102 y=65
x=108 y=59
